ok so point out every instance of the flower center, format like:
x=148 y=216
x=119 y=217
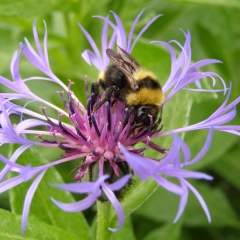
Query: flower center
x=95 y=137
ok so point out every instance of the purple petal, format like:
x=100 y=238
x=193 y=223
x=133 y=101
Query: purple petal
x=204 y=90
x=171 y=187
x=168 y=84
x=174 y=172
x=141 y=166
x=183 y=202
x=6 y=123
x=45 y=43
x=121 y=35
x=132 y=31
x=11 y=162
x=91 y=41
x=90 y=58
x=200 y=199
x=31 y=49
x=120 y=183
x=14 y=166
x=28 y=200
x=182 y=73
x=203 y=150
x=223 y=105
x=105 y=19
x=105 y=60
x=37 y=42
x=142 y=31
x=76 y=206
x=9 y=84
x=10 y=183
x=171 y=155
x=220 y=116
x=117 y=206
x=16 y=76
x=104 y=38
x=185 y=150
x=222 y=119
x=35 y=61
x=29 y=123
x=204 y=62
x=85 y=187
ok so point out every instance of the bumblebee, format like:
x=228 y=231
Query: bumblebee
x=128 y=82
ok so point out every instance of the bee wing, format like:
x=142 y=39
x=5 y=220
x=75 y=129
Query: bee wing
x=126 y=63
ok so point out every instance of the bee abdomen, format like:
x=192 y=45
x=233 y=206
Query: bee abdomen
x=149 y=83
x=145 y=96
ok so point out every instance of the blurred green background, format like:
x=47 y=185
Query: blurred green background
x=214 y=26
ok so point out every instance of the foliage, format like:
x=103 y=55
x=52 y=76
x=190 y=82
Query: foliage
x=215 y=31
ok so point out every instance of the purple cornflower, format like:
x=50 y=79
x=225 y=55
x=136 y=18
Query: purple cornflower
x=102 y=140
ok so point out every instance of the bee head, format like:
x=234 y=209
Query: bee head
x=143 y=113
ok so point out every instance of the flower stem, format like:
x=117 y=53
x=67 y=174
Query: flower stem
x=103 y=220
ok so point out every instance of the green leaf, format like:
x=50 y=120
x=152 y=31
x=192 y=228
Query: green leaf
x=135 y=197
x=167 y=231
x=126 y=230
x=196 y=141
x=228 y=166
x=229 y=3
x=222 y=213
x=162 y=207
x=103 y=233
x=103 y=223
x=42 y=207
x=27 y=8
x=10 y=225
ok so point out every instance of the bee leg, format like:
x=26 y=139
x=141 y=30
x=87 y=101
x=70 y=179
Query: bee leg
x=127 y=113
x=86 y=86
x=105 y=97
x=157 y=123
x=125 y=120
x=95 y=88
x=95 y=92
